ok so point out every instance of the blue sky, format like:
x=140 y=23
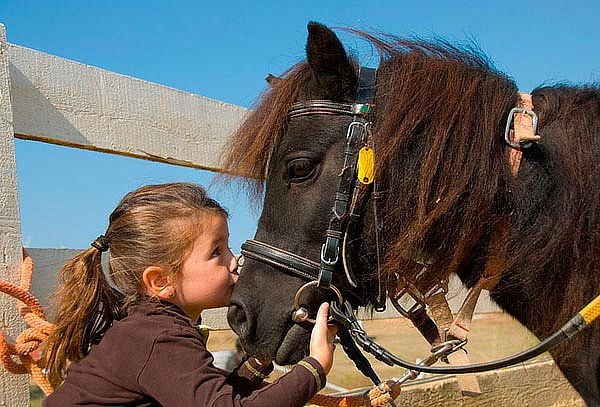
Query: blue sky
x=223 y=50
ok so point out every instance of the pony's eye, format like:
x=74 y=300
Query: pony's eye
x=300 y=170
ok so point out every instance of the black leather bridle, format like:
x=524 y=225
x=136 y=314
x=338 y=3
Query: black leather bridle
x=345 y=205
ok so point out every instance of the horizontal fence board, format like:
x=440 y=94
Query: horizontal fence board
x=63 y=102
x=539 y=383
x=47 y=263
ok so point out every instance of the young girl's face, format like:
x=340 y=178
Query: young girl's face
x=209 y=272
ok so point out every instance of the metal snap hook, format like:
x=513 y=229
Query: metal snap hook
x=300 y=313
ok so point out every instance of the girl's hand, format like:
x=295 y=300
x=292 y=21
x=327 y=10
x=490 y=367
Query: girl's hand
x=321 y=339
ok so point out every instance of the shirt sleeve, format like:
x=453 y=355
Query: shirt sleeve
x=179 y=372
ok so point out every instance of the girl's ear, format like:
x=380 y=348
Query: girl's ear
x=158 y=282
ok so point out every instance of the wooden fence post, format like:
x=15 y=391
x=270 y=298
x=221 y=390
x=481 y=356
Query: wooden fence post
x=14 y=389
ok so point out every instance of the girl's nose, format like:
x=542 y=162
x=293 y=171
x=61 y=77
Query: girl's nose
x=233 y=269
x=233 y=265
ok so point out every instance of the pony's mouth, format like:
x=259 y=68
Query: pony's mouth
x=294 y=346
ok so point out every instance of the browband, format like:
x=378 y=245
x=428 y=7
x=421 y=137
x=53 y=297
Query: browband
x=328 y=107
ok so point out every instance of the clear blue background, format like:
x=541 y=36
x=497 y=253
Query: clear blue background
x=223 y=50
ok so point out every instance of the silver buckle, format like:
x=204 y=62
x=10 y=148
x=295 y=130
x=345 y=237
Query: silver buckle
x=509 y=122
x=358 y=124
x=329 y=262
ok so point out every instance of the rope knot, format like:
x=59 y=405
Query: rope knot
x=28 y=342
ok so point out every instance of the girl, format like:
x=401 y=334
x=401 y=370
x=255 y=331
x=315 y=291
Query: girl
x=132 y=338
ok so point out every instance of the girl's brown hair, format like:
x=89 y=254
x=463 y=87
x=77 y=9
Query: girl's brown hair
x=154 y=225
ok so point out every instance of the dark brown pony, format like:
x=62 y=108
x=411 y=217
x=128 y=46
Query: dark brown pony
x=439 y=119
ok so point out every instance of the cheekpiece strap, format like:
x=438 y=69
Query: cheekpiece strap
x=366 y=85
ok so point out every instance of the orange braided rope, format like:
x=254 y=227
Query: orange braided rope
x=29 y=340
x=374 y=398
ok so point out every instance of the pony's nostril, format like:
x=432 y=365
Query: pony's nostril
x=238 y=320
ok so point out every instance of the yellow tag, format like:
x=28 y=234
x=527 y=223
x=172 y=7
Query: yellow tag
x=366 y=165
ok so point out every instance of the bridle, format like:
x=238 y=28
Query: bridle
x=347 y=209
x=347 y=206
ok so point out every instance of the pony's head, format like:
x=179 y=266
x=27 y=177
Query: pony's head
x=428 y=105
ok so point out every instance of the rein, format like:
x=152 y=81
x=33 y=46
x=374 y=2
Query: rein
x=346 y=211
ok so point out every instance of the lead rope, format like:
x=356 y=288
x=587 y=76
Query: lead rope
x=28 y=342
x=377 y=396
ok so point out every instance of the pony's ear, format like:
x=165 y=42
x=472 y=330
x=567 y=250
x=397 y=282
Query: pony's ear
x=272 y=79
x=331 y=67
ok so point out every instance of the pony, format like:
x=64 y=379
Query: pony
x=439 y=117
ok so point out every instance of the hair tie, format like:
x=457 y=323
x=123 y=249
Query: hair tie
x=100 y=244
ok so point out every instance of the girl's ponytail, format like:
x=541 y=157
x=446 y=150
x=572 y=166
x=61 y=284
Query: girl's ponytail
x=85 y=306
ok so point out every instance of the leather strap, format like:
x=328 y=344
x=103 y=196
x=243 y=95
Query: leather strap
x=523 y=131
x=426 y=327
x=468 y=383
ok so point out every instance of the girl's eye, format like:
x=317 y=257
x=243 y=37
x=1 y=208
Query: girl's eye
x=300 y=169
x=216 y=253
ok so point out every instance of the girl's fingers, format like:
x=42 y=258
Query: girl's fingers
x=322 y=314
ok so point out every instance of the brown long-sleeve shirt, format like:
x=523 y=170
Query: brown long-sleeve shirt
x=156 y=357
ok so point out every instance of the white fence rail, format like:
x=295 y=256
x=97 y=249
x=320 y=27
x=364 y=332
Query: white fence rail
x=49 y=261
x=64 y=102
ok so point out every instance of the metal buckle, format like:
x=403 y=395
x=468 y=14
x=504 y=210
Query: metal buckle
x=326 y=248
x=419 y=299
x=300 y=314
x=363 y=125
x=509 y=122
x=441 y=286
